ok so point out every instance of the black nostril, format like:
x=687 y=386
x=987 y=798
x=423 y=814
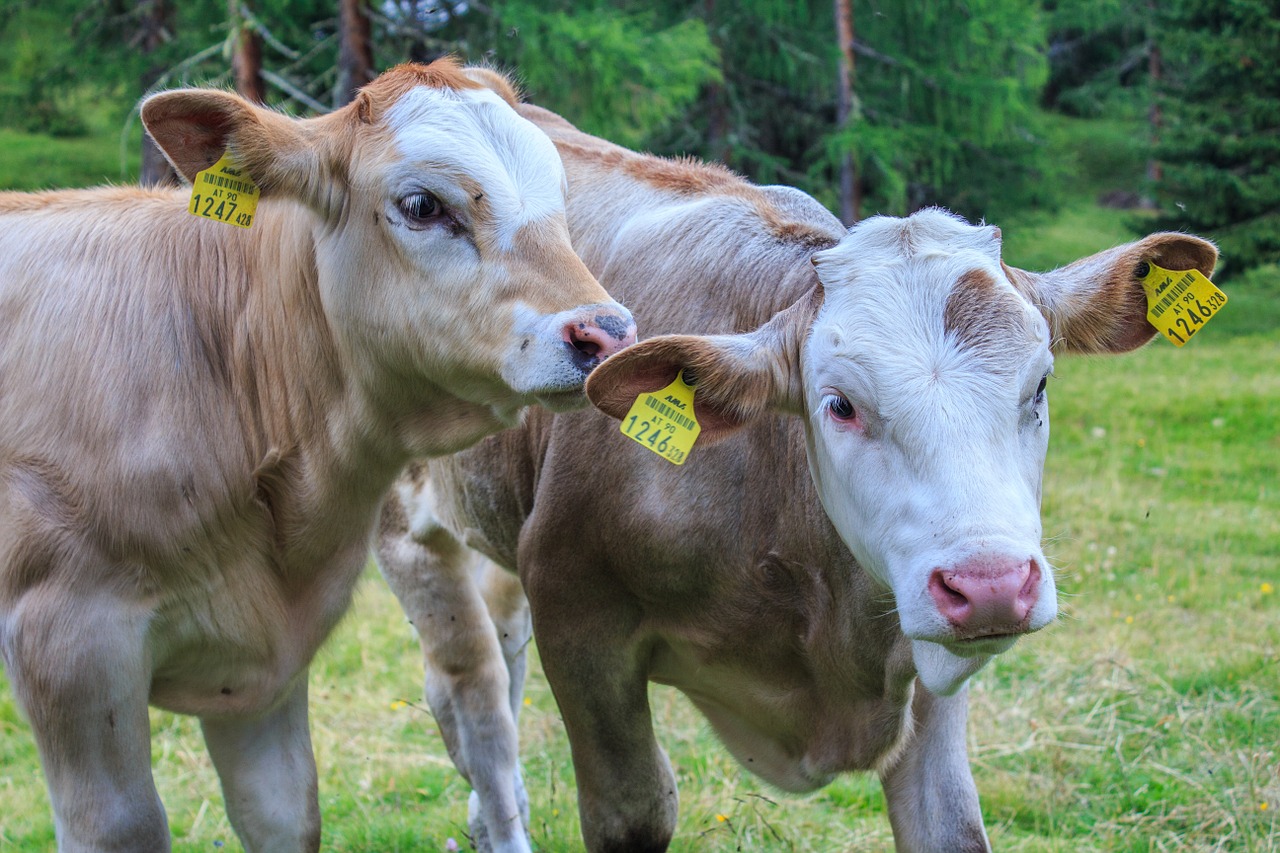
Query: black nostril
x=590 y=348
x=585 y=354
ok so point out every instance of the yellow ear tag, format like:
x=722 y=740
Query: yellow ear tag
x=1180 y=302
x=224 y=192
x=663 y=421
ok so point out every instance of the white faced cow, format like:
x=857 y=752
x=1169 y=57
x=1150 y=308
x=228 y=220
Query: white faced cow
x=855 y=534
x=198 y=423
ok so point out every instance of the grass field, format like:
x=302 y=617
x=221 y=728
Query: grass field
x=1146 y=719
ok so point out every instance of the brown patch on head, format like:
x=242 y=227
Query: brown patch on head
x=378 y=96
x=979 y=312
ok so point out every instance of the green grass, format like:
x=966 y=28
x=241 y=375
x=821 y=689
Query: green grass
x=1147 y=719
x=38 y=161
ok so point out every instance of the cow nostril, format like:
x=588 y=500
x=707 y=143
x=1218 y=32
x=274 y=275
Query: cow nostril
x=945 y=591
x=584 y=345
x=1031 y=587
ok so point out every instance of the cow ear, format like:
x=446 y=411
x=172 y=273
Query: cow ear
x=736 y=378
x=193 y=127
x=1097 y=304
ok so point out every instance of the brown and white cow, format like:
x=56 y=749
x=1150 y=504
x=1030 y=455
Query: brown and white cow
x=855 y=534
x=198 y=423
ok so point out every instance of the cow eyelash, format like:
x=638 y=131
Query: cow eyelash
x=1043 y=386
x=839 y=407
x=422 y=209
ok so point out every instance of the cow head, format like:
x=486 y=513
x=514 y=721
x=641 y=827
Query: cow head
x=440 y=241
x=920 y=364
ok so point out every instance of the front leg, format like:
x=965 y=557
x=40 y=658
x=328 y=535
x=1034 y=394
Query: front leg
x=268 y=774
x=474 y=678
x=932 y=799
x=626 y=790
x=78 y=668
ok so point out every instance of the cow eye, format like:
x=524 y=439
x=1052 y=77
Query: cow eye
x=421 y=208
x=840 y=408
x=1044 y=382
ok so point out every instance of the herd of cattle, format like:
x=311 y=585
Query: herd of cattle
x=203 y=427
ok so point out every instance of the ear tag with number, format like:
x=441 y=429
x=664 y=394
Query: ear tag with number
x=224 y=192
x=1179 y=302
x=663 y=421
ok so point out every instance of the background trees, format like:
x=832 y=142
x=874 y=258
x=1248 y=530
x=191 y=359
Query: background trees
x=953 y=103
x=1220 y=137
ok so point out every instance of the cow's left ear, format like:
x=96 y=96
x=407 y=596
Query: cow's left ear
x=1097 y=304
x=193 y=127
x=736 y=378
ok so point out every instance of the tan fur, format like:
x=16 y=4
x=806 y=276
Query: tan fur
x=1108 y=313
x=198 y=426
x=390 y=86
x=978 y=312
x=685 y=177
x=723 y=577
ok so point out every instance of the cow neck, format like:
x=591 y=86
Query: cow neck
x=305 y=425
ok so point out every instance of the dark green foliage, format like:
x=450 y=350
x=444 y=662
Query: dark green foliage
x=622 y=70
x=946 y=90
x=1220 y=148
x=946 y=93
x=1098 y=59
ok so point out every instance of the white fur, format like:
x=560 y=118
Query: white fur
x=950 y=462
x=476 y=133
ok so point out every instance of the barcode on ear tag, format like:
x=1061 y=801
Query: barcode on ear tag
x=663 y=421
x=1180 y=302
x=224 y=192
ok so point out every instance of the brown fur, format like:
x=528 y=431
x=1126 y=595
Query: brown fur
x=1110 y=313
x=199 y=423
x=723 y=577
x=685 y=177
x=979 y=313
x=393 y=84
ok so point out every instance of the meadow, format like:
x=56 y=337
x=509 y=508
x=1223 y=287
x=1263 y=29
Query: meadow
x=1146 y=719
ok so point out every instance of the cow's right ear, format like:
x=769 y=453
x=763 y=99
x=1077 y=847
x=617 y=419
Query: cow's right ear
x=736 y=378
x=193 y=127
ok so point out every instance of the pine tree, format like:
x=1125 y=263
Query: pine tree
x=1221 y=137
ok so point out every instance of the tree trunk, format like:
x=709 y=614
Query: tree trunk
x=246 y=60
x=847 y=113
x=1154 y=118
x=355 y=54
x=154 y=17
x=714 y=96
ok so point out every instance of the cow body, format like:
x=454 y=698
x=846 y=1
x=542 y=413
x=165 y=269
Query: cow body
x=199 y=422
x=853 y=536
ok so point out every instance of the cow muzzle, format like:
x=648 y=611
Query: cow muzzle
x=987 y=598
x=551 y=355
x=597 y=333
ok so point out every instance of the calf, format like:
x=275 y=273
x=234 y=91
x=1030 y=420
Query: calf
x=855 y=534
x=198 y=422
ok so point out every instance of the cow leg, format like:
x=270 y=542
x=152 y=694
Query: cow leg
x=932 y=799
x=468 y=685
x=626 y=789
x=268 y=774
x=509 y=610
x=78 y=668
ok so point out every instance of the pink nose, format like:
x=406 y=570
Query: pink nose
x=985 y=597
x=600 y=333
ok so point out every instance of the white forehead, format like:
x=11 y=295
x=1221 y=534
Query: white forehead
x=883 y=240
x=883 y=327
x=475 y=133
